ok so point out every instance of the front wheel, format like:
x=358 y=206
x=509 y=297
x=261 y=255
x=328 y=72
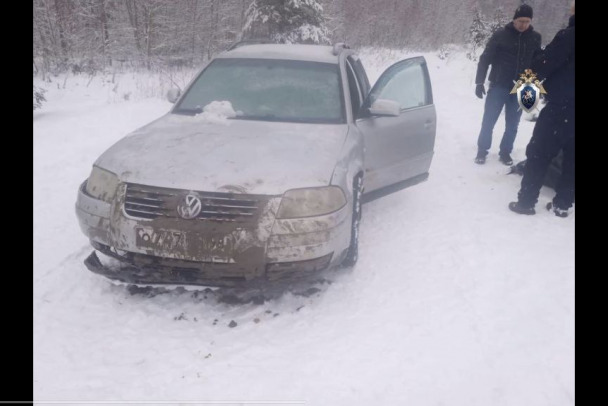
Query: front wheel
x=353 y=249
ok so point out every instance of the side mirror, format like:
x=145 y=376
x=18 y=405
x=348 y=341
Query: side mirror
x=385 y=107
x=173 y=94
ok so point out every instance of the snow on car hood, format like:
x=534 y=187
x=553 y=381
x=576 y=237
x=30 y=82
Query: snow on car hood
x=243 y=156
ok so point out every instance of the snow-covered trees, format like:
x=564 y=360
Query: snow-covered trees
x=499 y=20
x=481 y=29
x=477 y=36
x=89 y=35
x=38 y=97
x=286 y=21
x=85 y=36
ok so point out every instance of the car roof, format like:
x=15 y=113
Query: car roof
x=296 y=52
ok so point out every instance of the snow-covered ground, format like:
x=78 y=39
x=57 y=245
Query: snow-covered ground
x=455 y=300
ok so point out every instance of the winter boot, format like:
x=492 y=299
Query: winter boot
x=481 y=157
x=517 y=208
x=505 y=159
x=558 y=212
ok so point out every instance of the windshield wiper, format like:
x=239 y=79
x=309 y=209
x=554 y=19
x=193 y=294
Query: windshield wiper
x=192 y=112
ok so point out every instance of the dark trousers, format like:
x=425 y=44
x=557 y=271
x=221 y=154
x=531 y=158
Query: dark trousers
x=496 y=98
x=554 y=131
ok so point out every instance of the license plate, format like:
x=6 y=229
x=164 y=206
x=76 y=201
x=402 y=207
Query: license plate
x=186 y=245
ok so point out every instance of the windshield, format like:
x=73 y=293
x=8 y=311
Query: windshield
x=269 y=89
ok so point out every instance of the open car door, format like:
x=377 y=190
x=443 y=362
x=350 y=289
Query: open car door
x=398 y=123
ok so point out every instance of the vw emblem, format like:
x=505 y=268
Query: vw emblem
x=189 y=207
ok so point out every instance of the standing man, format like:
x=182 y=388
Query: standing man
x=509 y=51
x=554 y=130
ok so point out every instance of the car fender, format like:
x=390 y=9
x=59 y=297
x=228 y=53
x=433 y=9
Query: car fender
x=350 y=162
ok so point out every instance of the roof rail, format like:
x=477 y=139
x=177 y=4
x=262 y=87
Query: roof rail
x=250 y=42
x=339 y=47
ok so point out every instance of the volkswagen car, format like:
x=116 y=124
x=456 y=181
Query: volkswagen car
x=259 y=170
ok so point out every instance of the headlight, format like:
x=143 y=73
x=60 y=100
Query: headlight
x=311 y=202
x=102 y=184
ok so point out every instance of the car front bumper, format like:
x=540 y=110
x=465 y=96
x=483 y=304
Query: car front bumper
x=177 y=251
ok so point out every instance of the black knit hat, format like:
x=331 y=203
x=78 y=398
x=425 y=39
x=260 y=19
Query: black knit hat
x=523 y=11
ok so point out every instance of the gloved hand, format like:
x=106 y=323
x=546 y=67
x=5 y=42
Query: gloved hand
x=480 y=90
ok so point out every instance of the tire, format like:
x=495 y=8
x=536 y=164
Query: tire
x=352 y=253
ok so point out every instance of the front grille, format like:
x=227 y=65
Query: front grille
x=150 y=202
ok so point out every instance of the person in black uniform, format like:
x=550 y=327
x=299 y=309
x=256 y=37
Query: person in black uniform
x=554 y=129
x=510 y=50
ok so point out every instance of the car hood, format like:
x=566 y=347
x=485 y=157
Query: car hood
x=242 y=156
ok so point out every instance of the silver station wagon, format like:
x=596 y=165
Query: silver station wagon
x=258 y=172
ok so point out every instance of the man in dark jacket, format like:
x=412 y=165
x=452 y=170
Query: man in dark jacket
x=554 y=130
x=510 y=50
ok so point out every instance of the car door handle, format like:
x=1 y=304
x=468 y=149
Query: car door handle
x=428 y=123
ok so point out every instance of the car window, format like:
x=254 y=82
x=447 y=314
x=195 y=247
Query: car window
x=269 y=89
x=355 y=92
x=406 y=86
